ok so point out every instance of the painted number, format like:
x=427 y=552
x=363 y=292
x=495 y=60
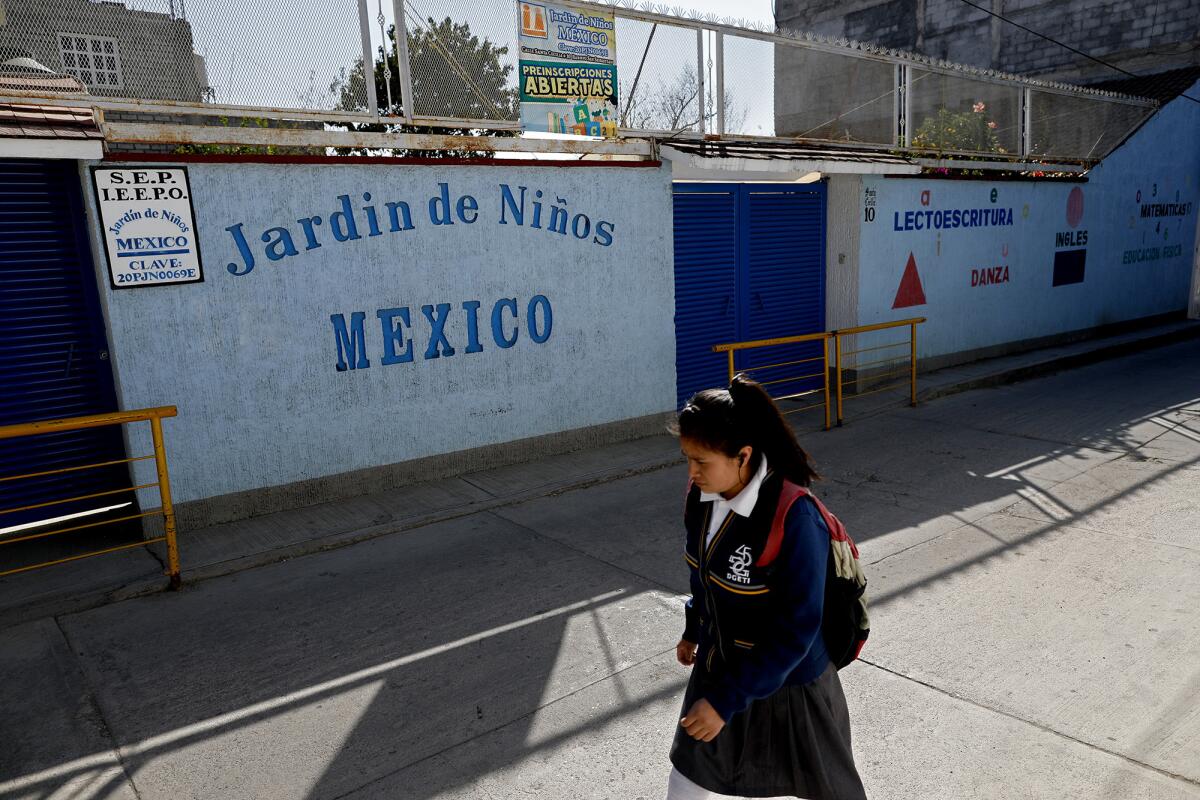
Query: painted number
x=869 y=214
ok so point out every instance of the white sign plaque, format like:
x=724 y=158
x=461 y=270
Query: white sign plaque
x=149 y=225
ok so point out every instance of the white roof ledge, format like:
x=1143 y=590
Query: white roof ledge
x=692 y=167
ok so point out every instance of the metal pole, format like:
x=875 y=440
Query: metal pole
x=387 y=69
x=731 y=373
x=898 y=85
x=700 y=75
x=633 y=89
x=364 y=28
x=908 y=126
x=720 y=99
x=402 y=62
x=913 y=365
x=164 y=493
x=825 y=370
x=837 y=368
x=1026 y=122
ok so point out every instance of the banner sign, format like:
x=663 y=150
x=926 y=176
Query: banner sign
x=568 y=70
x=149 y=226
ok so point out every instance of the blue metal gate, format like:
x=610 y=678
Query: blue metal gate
x=749 y=264
x=54 y=358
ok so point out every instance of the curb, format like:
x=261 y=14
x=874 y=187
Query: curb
x=1061 y=363
x=145 y=586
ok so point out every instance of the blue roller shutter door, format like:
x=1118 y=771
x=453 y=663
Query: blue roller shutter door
x=749 y=264
x=705 y=284
x=53 y=362
x=783 y=275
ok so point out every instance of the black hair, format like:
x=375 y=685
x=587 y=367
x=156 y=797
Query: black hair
x=726 y=420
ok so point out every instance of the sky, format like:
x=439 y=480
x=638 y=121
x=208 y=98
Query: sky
x=759 y=10
x=251 y=59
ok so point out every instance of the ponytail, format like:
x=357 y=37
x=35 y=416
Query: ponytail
x=726 y=420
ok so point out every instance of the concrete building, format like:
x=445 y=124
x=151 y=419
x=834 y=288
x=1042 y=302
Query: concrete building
x=113 y=50
x=1141 y=38
x=825 y=96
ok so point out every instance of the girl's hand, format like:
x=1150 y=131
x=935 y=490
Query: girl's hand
x=702 y=721
x=685 y=652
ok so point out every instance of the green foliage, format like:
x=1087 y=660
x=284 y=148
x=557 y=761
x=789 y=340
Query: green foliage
x=251 y=149
x=448 y=54
x=460 y=75
x=969 y=131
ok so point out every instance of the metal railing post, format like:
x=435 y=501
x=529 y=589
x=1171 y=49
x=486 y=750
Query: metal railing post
x=720 y=98
x=825 y=373
x=1026 y=122
x=400 y=31
x=154 y=417
x=364 y=29
x=908 y=126
x=897 y=97
x=164 y=493
x=700 y=75
x=913 y=364
x=731 y=372
x=837 y=369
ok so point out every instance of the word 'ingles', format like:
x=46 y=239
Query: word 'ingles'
x=442 y=335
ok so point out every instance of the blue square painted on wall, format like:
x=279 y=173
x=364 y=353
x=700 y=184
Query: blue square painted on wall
x=1068 y=266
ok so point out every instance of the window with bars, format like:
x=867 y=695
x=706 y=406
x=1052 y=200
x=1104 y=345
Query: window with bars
x=94 y=60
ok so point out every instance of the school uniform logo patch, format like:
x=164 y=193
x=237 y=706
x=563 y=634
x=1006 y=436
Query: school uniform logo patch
x=739 y=564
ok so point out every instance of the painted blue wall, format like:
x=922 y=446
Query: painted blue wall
x=273 y=382
x=989 y=253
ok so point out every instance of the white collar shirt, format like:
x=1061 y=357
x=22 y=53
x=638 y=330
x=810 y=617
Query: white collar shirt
x=741 y=504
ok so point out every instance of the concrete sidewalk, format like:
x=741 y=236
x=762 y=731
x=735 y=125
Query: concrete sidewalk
x=1033 y=552
x=228 y=548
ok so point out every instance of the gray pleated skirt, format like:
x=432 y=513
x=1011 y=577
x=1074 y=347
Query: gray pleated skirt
x=795 y=743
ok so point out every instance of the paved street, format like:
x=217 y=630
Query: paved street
x=1033 y=553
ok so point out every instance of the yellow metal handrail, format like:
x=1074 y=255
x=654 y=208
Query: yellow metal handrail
x=166 y=510
x=836 y=335
x=822 y=337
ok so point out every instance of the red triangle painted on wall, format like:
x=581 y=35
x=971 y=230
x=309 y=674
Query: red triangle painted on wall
x=910 y=293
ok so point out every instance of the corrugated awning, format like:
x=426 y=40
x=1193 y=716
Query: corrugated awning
x=41 y=131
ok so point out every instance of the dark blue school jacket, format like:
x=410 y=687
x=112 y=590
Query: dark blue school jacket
x=758 y=627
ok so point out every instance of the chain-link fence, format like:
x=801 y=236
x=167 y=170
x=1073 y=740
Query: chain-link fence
x=454 y=63
x=823 y=95
x=951 y=114
x=687 y=76
x=658 y=75
x=261 y=53
x=462 y=59
x=1066 y=126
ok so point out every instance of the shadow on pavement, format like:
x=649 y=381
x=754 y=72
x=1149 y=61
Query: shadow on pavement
x=323 y=675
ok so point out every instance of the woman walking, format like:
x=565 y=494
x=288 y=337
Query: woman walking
x=764 y=714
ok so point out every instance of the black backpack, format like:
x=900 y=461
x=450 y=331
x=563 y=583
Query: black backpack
x=845 y=623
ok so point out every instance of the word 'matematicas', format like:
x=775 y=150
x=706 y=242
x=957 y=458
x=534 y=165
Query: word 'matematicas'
x=396 y=323
x=954 y=218
x=1155 y=210
x=348 y=224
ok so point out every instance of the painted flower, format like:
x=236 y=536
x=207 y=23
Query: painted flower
x=992 y=125
x=978 y=107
